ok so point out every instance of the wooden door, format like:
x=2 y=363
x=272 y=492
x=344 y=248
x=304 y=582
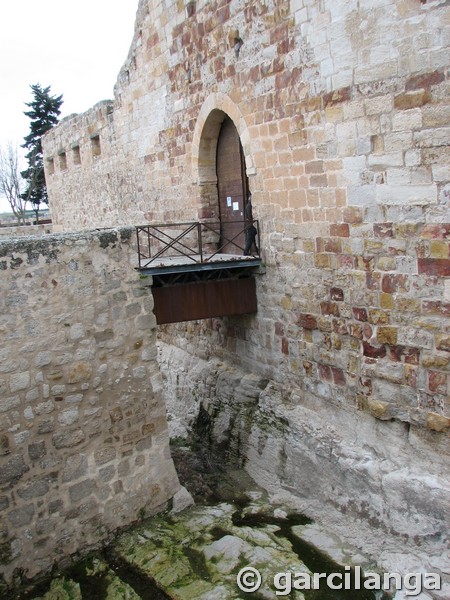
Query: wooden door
x=232 y=188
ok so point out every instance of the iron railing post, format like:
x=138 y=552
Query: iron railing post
x=200 y=244
x=259 y=240
x=149 y=243
x=138 y=246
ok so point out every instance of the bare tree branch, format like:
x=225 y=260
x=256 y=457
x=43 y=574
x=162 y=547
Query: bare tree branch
x=11 y=182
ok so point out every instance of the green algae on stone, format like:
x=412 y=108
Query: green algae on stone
x=190 y=561
x=114 y=588
x=105 y=584
x=63 y=589
x=119 y=590
x=197 y=554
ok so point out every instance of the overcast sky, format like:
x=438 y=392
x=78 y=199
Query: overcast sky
x=76 y=48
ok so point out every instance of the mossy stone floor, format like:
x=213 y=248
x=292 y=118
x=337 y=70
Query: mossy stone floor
x=196 y=554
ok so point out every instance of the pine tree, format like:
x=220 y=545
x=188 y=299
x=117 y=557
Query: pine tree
x=44 y=113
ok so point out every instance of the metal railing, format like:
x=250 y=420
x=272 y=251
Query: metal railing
x=199 y=242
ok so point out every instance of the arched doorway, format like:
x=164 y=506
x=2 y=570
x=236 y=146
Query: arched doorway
x=232 y=187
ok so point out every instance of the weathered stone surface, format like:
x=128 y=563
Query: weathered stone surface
x=187 y=560
x=75 y=467
x=342 y=111
x=22 y=516
x=79 y=372
x=13 y=469
x=81 y=490
x=437 y=422
x=59 y=458
x=34 y=489
x=182 y=500
x=378 y=409
x=68 y=439
x=104 y=455
x=294 y=444
x=63 y=589
x=19 y=381
x=387 y=335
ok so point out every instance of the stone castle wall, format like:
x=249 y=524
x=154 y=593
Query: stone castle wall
x=25 y=230
x=343 y=113
x=342 y=109
x=338 y=104
x=83 y=431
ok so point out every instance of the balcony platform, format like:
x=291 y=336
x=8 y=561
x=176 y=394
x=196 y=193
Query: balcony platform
x=187 y=282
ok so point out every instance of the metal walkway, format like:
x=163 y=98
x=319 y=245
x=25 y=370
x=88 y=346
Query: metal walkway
x=182 y=252
x=196 y=272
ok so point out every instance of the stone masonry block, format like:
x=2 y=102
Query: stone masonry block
x=439 y=249
x=37 y=450
x=387 y=335
x=415 y=338
x=360 y=313
x=439 y=267
x=378 y=317
x=437 y=422
x=323 y=261
x=387 y=301
x=69 y=439
x=75 y=467
x=378 y=409
x=79 y=372
x=424 y=80
x=337 y=294
x=395 y=283
x=307 y=321
x=436 y=231
x=352 y=215
x=340 y=230
x=412 y=99
x=20 y=517
x=104 y=455
x=437 y=382
x=405 y=121
x=19 y=381
x=443 y=342
x=13 y=470
x=406 y=195
x=81 y=490
x=68 y=416
x=436 y=361
x=34 y=489
x=329 y=308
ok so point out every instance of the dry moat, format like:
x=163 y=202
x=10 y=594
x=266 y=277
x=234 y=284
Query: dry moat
x=196 y=554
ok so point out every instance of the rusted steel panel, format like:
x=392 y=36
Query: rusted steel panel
x=203 y=300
